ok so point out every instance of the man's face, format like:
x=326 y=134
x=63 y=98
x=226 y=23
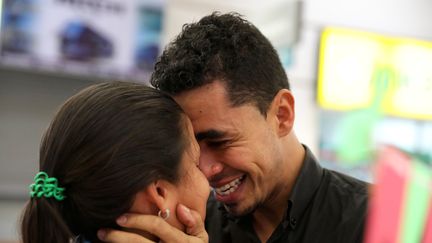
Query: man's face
x=240 y=151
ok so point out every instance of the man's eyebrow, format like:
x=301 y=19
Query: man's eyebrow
x=209 y=134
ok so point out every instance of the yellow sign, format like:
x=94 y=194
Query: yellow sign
x=352 y=63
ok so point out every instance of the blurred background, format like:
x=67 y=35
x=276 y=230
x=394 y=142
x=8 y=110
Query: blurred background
x=361 y=72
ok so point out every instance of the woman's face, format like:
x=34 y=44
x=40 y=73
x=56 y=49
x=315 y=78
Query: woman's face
x=193 y=188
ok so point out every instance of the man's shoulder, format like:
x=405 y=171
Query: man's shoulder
x=344 y=196
x=344 y=183
x=340 y=205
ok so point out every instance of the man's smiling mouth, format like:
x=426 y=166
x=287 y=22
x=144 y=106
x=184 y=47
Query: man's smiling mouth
x=229 y=187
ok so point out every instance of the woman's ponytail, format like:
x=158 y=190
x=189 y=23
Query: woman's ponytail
x=42 y=222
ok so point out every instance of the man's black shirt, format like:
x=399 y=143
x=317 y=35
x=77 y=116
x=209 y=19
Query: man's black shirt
x=324 y=206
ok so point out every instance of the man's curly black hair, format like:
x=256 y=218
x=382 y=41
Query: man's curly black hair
x=222 y=47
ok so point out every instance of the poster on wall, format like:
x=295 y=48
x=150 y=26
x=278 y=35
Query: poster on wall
x=374 y=90
x=101 y=38
x=361 y=69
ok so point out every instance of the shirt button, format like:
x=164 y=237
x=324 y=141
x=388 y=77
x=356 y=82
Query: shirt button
x=293 y=222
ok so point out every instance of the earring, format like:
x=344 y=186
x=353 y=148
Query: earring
x=164 y=214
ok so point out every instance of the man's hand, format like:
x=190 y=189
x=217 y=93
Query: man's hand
x=158 y=227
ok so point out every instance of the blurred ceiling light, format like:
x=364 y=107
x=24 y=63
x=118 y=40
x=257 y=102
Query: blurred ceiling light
x=277 y=19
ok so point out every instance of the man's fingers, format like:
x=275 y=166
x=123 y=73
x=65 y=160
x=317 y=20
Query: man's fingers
x=153 y=224
x=185 y=217
x=121 y=236
x=193 y=222
x=159 y=228
x=198 y=229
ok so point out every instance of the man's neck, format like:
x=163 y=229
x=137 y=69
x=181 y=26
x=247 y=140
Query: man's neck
x=270 y=214
x=265 y=220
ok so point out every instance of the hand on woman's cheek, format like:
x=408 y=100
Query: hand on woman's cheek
x=142 y=233
x=195 y=231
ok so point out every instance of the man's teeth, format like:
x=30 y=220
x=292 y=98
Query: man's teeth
x=230 y=187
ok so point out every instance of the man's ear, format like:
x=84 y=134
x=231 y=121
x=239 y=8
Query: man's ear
x=282 y=109
x=156 y=196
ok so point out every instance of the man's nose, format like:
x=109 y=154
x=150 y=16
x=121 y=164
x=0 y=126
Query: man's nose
x=209 y=165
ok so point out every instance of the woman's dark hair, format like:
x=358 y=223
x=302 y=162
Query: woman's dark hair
x=105 y=144
x=224 y=47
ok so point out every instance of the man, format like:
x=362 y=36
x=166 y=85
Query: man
x=268 y=187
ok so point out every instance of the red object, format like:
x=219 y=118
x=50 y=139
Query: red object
x=428 y=230
x=386 y=203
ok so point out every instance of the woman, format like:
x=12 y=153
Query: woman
x=113 y=148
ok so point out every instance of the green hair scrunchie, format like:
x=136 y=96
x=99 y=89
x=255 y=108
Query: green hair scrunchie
x=45 y=186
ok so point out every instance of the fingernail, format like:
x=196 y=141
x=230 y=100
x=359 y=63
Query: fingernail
x=101 y=234
x=121 y=220
x=188 y=213
x=185 y=208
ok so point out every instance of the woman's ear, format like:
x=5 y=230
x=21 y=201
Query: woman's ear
x=159 y=195
x=282 y=109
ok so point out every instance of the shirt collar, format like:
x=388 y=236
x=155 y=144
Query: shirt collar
x=304 y=188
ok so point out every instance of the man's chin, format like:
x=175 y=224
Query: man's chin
x=238 y=210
